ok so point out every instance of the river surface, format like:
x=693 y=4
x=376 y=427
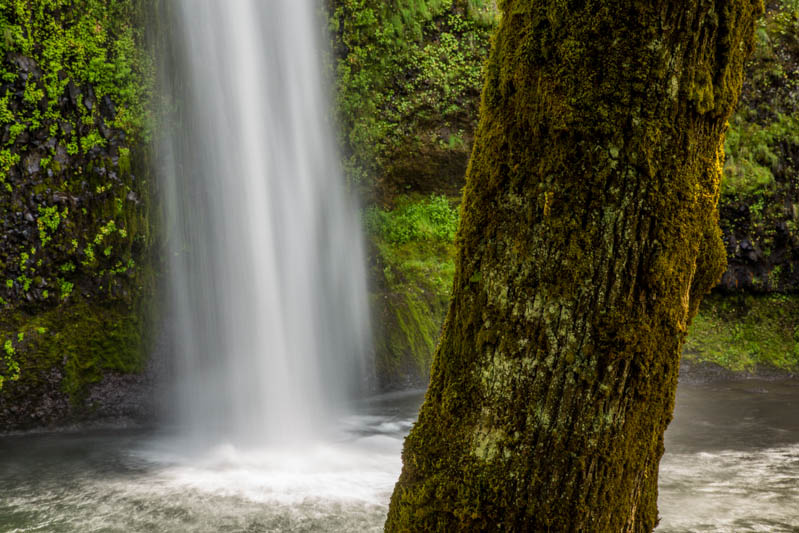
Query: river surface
x=731 y=466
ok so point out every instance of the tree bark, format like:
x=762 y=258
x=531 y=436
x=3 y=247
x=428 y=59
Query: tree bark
x=589 y=234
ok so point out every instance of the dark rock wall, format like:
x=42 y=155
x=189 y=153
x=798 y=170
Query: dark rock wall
x=760 y=199
x=75 y=250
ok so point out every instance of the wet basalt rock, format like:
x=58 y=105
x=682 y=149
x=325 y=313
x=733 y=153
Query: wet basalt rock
x=76 y=235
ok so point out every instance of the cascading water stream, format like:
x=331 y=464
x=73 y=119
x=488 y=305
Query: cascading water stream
x=265 y=255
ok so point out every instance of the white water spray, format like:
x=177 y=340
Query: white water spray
x=266 y=262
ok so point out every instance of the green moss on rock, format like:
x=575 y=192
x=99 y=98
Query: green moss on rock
x=75 y=261
x=82 y=341
x=759 y=208
x=412 y=265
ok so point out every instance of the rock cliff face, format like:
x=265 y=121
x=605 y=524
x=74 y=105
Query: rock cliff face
x=76 y=268
x=760 y=199
x=408 y=80
x=75 y=262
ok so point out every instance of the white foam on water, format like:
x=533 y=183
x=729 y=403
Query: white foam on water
x=730 y=491
x=166 y=483
x=361 y=471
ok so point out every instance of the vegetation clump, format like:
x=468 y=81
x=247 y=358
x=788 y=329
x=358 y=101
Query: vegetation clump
x=408 y=76
x=759 y=206
x=746 y=332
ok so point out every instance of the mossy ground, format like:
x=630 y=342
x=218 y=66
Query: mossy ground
x=84 y=341
x=746 y=332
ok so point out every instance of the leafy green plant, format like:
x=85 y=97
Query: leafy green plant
x=65 y=288
x=48 y=222
x=429 y=219
x=11 y=371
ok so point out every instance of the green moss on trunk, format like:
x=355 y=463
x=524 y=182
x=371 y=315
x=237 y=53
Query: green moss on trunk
x=589 y=234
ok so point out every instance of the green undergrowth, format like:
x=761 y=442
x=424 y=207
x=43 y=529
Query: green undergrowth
x=408 y=78
x=753 y=153
x=766 y=124
x=742 y=332
x=423 y=220
x=413 y=258
x=761 y=172
x=81 y=341
x=414 y=241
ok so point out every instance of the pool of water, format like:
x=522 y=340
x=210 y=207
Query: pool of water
x=731 y=465
x=732 y=459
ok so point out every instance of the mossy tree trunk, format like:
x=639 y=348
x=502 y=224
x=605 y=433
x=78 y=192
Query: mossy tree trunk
x=589 y=234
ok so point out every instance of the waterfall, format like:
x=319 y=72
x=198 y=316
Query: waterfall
x=266 y=269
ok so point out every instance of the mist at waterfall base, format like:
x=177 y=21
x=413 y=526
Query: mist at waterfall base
x=267 y=279
x=266 y=268
x=123 y=480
